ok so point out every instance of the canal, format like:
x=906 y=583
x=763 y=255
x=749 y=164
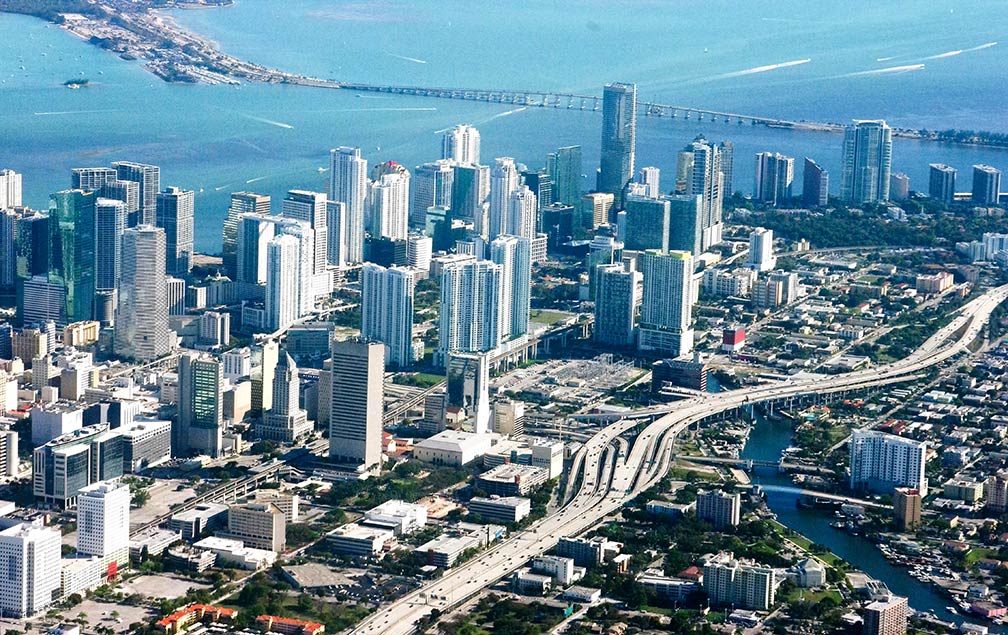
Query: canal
x=766 y=440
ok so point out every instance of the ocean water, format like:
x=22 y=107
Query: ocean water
x=933 y=64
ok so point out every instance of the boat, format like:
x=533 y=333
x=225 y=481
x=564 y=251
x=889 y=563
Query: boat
x=953 y=610
x=76 y=83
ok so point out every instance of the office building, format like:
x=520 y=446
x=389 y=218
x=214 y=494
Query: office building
x=880 y=462
x=729 y=582
x=619 y=138
x=389 y=201
x=241 y=203
x=149 y=179
x=110 y=219
x=941 y=183
x=194 y=523
x=10 y=189
x=617 y=301
x=311 y=208
x=506 y=510
x=258 y=525
x=146 y=444
x=461 y=144
x=666 y=303
x=282 y=282
x=906 y=509
x=72 y=236
x=647 y=223
x=418 y=254
x=399 y=516
x=200 y=406
x=504 y=180
x=540 y=184
x=8 y=248
x=69 y=463
x=761 y=256
x=565 y=168
x=470 y=189
x=867 y=159
x=774 y=175
x=31 y=555
x=175 y=291
x=468 y=387
x=175 y=214
x=512 y=479
x=986 y=185
x=720 y=509
x=387 y=311
x=141 y=324
x=468 y=317
x=588 y=552
x=103 y=528
x=355 y=414
x=603 y=250
x=886 y=617
x=513 y=254
x=431 y=187
x=596 y=207
x=348 y=185
x=286 y=421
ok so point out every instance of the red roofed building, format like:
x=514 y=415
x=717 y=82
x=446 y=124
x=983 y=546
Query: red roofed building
x=180 y=620
x=288 y=626
x=693 y=572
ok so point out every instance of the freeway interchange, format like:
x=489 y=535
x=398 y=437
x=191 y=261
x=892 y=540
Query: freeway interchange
x=604 y=476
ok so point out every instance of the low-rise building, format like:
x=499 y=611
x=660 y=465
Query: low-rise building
x=512 y=480
x=589 y=552
x=258 y=525
x=152 y=542
x=288 y=626
x=444 y=551
x=399 y=516
x=180 y=620
x=452 y=447
x=561 y=569
x=500 y=509
x=357 y=540
x=667 y=588
x=195 y=523
x=235 y=553
x=807 y=574
x=528 y=583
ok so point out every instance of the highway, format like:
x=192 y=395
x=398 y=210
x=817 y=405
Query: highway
x=608 y=480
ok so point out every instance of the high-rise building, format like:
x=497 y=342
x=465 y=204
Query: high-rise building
x=126 y=191
x=149 y=178
x=468 y=316
x=70 y=462
x=431 y=187
x=774 y=175
x=470 y=189
x=941 y=183
x=880 y=462
x=141 y=323
x=348 y=185
x=619 y=137
x=596 y=205
x=986 y=185
x=307 y=286
x=867 y=160
x=727 y=167
x=389 y=201
x=200 y=406
x=899 y=186
x=336 y=226
x=72 y=251
x=355 y=414
x=91 y=179
x=8 y=249
x=906 y=508
x=504 y=179
x=265 y=356
x=103 y=528
x=700 y=168
x=815 y=185
x=462 y=145
x=666 y=324
x=258 y=525
x=286 y=421
x=513 y=254
x=647 y=223
x=720 y=509
x=175 y=211
x=522 y=206
x=540 y=183
x=387 y=311
x=886 y=617
x=565 y=168
x=241 y=203
x=282 y=285
x=467 y=376
x=110 y=219
x=603 y=250
x=310 y=207
x=617 y=301
x=729 y=582
x=761 y=256
x=650 y=178
x=10 y=189
x=31 y=555
x=685 y=223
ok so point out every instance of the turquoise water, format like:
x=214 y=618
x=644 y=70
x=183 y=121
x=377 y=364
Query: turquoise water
x=720 y=55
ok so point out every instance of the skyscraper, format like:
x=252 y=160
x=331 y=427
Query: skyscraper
x=141 y=323
x=286 y=421
x=727 y=167
x=504 y=179
x=617 y=300
x=774 y=175
x=867 y=159
x=761 y=256
x=103 y=528
x=110 y=216
x=462 y=145
x=310 y=207
x=348 y=185
x=431 y=186
x=8 y=249
x=149 y=178
x=468 y=316
x=72 y=251
x=336 y=226
x=91 y=179
x=619 y=137
x=650 y=178
x=10 y=189
x=666 y=324
x=700 y=166
x=200 y=406
x=685 y=223
x=565 y=168
x=522 y=206
x=126 y=191
x=387 y=311
x=355 y=415
x=175 y=214
x=31 y=555
x=254 y=233
x=389 y=201
x=513 y=254
x=986 y=185
x=282 y=285
x=815 y=185
x=941 y=183
x=470 y=189
x=241 y=203
x=307 y=254
x=540 y=183
x=596 y=205
x=647 y=223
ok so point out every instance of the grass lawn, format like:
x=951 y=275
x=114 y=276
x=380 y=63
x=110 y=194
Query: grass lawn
x=973 y=555
x=548 y=317
x=423 y=380
x=829 y=558
x=813 y=596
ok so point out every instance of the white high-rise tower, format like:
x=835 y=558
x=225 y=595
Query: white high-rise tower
x=348 y=185
x=103 y=523
x=462 y=145
x=469 y=313
x=141 y=322
x=387 y=311
x=389 y=200
x=666 y=323
x=521 y=217
x=282 y=265
x=513 y=254
x=10 y=189
x=504 y=179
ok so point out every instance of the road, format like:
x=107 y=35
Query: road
x=609 y=481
